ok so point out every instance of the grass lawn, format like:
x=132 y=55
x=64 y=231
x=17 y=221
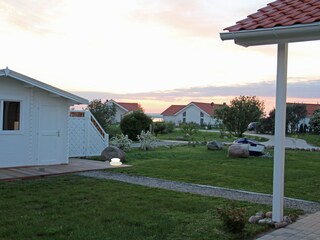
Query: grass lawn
x=198 y=165
x=203 y=136
x=75 y=207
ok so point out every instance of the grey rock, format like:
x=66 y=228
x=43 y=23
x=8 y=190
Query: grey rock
x=112 y=152
x=268 y=214
x=254 y=219
x=260 y=214
x=239 y=151
x=280 y=224
x=214 y=145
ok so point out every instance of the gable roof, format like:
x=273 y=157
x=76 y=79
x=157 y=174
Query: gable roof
x=127 y=106
x=208 y=108
x=310 y=107
x=280 y=21
x=280 y=13
x=33 y=82
x=172 y=110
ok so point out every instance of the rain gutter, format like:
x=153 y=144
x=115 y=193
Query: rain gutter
x=281 y=34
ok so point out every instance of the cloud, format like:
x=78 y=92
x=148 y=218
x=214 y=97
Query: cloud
x=189 y=17
x=31 y=15
x=301 y=89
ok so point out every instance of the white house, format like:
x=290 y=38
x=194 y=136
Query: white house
x=33 y=121
x=197 y=112
x=123 y=108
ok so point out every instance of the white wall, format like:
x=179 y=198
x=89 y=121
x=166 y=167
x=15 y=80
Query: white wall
x=34 y=144
x=193 y=115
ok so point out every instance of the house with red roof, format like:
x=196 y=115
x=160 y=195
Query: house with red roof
x=311 y=108
x=197 y=112
x=123 y=108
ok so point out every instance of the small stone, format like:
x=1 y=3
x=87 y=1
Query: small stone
x=260 y=214
x=268 y=214
x=280 y=224
x=214 y=145
x=287 y=219
x=254 y=219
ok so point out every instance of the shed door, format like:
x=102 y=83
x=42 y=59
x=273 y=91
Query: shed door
x=48 y=141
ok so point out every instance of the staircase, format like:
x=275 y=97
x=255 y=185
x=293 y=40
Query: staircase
x=86 y=136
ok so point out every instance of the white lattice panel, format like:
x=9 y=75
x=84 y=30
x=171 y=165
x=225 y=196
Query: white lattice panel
x=84 y=138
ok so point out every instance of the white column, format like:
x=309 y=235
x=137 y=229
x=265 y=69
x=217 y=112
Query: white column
x=280 y=129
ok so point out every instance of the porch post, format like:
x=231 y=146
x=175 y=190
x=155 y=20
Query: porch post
x=280 y=129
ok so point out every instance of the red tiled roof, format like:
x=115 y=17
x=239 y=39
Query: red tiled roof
x=209 y=108
x=280 y=13
x=309 y=106
x=173 y=109
x=130 y=106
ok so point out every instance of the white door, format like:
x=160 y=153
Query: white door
x=48 y=135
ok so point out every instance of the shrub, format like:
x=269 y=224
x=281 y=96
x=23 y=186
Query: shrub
x=133 y=123
x=315 y=122
x=113 y=130
x=163 y=127
x=147 y=140
x=233 y=218
x=122 y=142
x=189 y=129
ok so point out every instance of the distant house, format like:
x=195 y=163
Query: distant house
x=311 y=108
x=123 y=108
x=33 y=121
x=197 y=112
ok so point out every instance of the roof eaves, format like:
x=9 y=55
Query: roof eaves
x=275 y=35
x=43 y=86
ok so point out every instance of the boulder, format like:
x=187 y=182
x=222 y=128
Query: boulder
x=268 y=214
x=214 y=145
x=112 y=152
x=238 y=150
x=254 y=219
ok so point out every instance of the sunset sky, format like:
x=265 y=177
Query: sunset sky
x=154 y=52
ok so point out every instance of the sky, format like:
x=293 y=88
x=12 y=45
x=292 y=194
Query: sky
x=153 y=52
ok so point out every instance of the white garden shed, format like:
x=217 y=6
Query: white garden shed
x=33 y=121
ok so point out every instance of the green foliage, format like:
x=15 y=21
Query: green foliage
x=113 y=130
x=102 y=112
x=121 y=141
x=189 y=129
x=315 y=122
x=266 y=124
x=133 y=123
x=233 y=218
x=294 y=113
x=240 y=113
x=163 y=127
x=147 y=140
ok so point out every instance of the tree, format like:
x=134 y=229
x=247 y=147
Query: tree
x=266 y=124
x=240 y=113
x=133 y=123
x=315 y=122
x=295 y=112
x=103 y=112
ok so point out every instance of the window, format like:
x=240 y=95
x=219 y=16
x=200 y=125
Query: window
x=201 y=118
x=184 y=117
x=10 y=115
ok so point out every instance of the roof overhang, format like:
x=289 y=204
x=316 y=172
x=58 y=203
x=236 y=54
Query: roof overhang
x=30 y=81
x=281 y=34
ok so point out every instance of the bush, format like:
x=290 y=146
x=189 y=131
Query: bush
x=315 y=122
x=163 y=127
x=113 y=130
x=233 y=218
x=122 y=142
x=133 y=123
x=189 y=129
x=147 y=140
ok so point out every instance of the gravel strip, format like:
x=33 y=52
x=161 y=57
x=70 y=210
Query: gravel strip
x=306 y=206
